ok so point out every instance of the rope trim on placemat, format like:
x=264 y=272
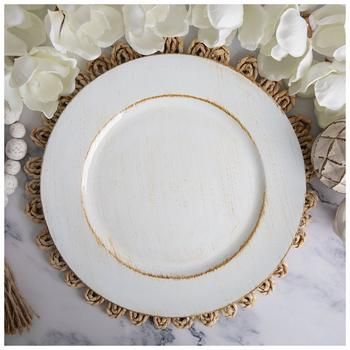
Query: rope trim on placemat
x=120 y=54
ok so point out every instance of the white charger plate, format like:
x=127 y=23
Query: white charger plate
x=172 y=185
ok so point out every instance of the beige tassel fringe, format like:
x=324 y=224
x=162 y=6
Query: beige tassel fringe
x=18 y=315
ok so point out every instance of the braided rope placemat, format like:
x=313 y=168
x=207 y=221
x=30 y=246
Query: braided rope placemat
x=120 y=54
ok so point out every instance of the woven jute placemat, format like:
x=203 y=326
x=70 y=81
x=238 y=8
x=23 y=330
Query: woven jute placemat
x=120 y=54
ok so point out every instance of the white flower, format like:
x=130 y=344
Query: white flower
x=326 y=116
x=218 y=24
x=330 y=95
x=42 y=76
x=326 y=81
x=328 y=26
x=251 y=32
x=84 y=30
x=307 y=8
x=147 y=26
x=23 y=30
x=286 y=51
x=13 y=100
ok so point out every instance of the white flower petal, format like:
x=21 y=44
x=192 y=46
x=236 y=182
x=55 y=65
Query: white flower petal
x=95 y=27
x=316 y=72
x=278 y=53
x=48 y=108
x=291 y=33
x=69 y=82
x=175 y=24
x=267 y=48
x=13 y=102
x=340 y=53
x=68 y=8
x=79 y=16
x=199 y=16
x=8 y=64
x=64 y=37
x=323 y=12
x=303 y=66
x=335 y=19
x=273 y=14
x=12 y=114
x=155 y=13
x=307 y=8
x=251 y=32
x=23 y=69
x=147 y=43
x=225 y=16
x=213 y=38
x=33 y=7
x=55 y=22
x=276 y=70
x=52 y=61
x=31 y=31
x=326 y=116
x=230 y=37
x=114 y=29
x=47 y=52
x=45 y=87
x=85 y=29
x=327 y=39
x=330 y=91
x=134 y=19
x=43 y=75
x=339 y=67
x=14 y=15
x=24 y=31
x=14 y=46
x=308 y=93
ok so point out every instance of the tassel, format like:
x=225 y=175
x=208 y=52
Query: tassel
x=18 y=315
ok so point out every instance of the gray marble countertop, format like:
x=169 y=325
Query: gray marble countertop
x=306 y=307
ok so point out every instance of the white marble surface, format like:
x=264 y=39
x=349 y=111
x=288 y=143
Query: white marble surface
x=307 y=306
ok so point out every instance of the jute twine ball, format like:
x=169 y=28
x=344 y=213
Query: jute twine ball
x=198 y=49
x=173 y=45
x=328 y=156
x=229 y=310
x=248 y=66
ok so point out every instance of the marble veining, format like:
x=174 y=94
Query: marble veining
x=307 y=307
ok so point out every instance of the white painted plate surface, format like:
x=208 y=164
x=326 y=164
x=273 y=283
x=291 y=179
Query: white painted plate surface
x=172 y=185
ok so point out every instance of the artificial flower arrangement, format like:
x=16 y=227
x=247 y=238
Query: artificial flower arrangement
x=301 y=45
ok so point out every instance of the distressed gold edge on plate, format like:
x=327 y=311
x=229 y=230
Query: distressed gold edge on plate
x=112 y=252
x=88 y=76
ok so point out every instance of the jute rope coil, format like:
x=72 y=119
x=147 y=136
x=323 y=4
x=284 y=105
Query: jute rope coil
x=120 y=54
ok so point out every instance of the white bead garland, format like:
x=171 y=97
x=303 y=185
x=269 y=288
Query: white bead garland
x=16 y=149
x=11 y=184
x=12 y=167
x=17 y=130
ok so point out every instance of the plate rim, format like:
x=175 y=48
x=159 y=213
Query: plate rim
x=148 y=58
